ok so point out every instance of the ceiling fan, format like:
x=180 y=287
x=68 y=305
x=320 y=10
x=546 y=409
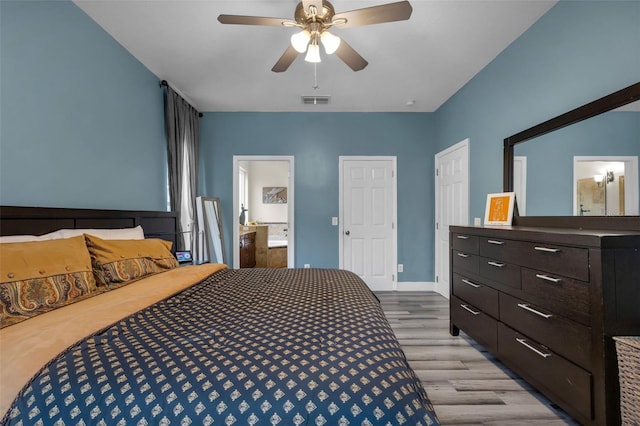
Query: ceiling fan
x=314 y=18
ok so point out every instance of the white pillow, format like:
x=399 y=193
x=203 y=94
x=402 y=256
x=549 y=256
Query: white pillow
x=136 y=233
x=55 y=235
x=21 y=238
x=106 y=234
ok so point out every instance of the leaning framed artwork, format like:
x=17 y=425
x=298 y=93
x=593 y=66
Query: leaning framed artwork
x=499 y=209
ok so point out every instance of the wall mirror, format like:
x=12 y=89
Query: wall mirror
x=564 y=156
x=210 y=242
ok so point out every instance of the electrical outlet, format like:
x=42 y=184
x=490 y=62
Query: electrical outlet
x=400 y=267
x=334 y=221
x=307 y=266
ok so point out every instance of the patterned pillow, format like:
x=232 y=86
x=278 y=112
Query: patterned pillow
x=117 y=262
x=39 y=276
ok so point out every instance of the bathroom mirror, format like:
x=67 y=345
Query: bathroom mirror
x=607 y=129
x=210 y=242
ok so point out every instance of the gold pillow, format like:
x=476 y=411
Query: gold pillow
x=39 y=276
x=117 y=262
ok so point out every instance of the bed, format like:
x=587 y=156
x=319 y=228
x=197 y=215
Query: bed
x=200 y=344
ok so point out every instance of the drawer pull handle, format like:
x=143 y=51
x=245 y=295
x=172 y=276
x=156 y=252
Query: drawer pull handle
x=524 y=343
x=548 y=278
x=547 y=249
x=496 y=264
x=463 y=255
x=470 y=283
x=534 y=311
x=463 y=237
x=467 y=308
x=496 y=242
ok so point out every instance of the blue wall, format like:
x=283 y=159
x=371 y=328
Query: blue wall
x=317 y=140
x=577 y=52
x=82 y=126
x=81 y=119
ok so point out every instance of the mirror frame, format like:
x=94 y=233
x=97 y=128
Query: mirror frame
x=607 y=103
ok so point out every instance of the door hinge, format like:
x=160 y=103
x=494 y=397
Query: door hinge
x=437 y=172
x=436 y=278
x=437 y=225
x=393 y=277
x=393 y=225
x=393 y=173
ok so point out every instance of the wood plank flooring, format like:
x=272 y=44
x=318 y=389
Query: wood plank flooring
x=466 y=384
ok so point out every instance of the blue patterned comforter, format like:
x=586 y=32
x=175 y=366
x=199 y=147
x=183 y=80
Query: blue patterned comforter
x=243 y=347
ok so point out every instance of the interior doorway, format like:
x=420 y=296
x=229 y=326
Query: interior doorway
x=263 y=206
x=605 y=186
x=451 y=203
x=368 y=215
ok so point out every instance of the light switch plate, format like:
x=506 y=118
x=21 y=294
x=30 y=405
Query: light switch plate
x=334 y=221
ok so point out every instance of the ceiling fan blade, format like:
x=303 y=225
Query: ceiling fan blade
x=251 y=20
x=285 y=60
x=350 y=57
x=316 y=3
x=391 y=12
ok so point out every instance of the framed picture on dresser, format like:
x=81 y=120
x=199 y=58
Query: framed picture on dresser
x=499 y=209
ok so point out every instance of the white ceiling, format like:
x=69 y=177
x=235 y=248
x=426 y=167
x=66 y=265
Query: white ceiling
x=228 y=67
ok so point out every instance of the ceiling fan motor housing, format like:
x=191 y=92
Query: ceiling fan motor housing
x=322 y=17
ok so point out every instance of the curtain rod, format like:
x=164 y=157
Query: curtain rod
x=164 y=83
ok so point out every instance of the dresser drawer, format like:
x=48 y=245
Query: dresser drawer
x=500 y=271
x=485 y=298
x=477 y=324
x=567 y=338
x=502 y=249
x=569 y=384
x=564 y=295
x=566 y=261
x=465 y=243
x=463 y=260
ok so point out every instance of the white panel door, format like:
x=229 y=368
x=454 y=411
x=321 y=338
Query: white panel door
x=368 y=221
x=452 y=205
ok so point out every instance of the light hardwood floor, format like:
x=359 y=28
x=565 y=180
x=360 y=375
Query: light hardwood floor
x=466 y=384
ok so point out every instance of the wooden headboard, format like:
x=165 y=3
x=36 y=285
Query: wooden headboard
x=41 y=220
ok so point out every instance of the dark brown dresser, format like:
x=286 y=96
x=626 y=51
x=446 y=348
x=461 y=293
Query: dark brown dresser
x=546 y=302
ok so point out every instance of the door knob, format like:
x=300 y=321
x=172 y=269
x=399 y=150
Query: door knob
x=347 y=233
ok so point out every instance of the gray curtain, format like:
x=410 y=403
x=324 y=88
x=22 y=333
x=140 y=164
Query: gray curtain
x=182 y=125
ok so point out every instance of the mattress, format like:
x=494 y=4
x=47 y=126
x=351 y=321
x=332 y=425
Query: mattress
x=247 y=346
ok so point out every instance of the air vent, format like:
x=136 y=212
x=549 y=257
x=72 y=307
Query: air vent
x=315 y=100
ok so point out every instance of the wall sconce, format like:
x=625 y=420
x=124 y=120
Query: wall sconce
x=603 y=179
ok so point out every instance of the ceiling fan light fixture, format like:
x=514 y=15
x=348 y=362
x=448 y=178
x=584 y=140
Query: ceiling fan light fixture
x=313 y=54
x=330 y=42
x=300 y=40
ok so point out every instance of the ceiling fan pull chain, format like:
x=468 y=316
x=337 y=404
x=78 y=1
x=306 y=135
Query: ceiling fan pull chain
x=315 y=77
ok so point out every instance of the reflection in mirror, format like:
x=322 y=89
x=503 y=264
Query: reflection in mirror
x=551 y=187
x=210 y=236
x=605 y=186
